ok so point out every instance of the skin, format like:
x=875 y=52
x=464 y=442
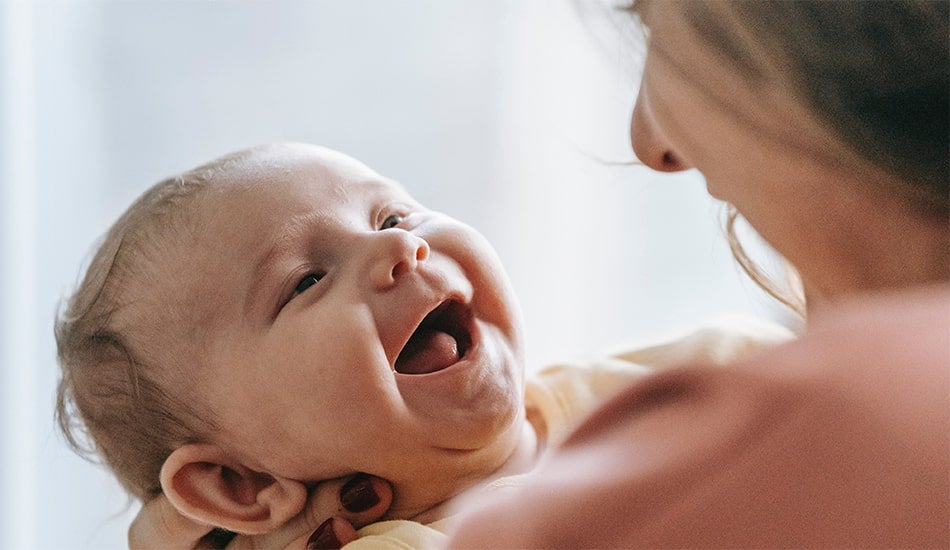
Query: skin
x=876 y=268
x=315 y=358
x=834 y=221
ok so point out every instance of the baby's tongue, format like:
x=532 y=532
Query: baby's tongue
x=428 y=350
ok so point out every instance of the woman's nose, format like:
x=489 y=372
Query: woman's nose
x=648 y=140
x=394 y=252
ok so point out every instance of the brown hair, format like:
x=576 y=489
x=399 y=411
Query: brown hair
x=875 y=73
x=121 y=395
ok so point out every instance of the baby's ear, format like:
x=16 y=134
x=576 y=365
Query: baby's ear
x=205 y=484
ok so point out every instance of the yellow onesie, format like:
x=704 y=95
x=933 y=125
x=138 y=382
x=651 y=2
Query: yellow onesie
x=558 y=397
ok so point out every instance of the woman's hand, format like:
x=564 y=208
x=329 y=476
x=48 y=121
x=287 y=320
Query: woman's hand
x=335 y=510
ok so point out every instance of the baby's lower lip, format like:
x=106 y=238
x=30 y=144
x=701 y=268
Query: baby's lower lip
x=449 y=388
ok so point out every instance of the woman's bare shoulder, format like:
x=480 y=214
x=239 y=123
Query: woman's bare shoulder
x=885 y=347
x=837 y=438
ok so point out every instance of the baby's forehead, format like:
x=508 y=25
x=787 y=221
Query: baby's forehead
x=250 y=201
x=326 y=174
x=186 y=264
x=268 y=162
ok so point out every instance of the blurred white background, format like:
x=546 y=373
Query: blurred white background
x=498 y=112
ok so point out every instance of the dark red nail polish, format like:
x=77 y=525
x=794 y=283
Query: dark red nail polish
x=324 y=538
x=357 y=495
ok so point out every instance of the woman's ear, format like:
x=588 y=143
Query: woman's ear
x=205 y=484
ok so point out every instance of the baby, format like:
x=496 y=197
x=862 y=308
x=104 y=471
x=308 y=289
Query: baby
x=284 y=316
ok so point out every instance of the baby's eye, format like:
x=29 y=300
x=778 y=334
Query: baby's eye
x=307 y=282
x=391 y=221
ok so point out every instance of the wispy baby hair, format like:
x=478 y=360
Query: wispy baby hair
x=122 y=395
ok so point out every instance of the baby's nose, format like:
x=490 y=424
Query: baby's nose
x=397 y=252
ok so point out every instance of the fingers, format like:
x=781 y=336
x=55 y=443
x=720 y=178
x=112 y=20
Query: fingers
x=335 y=510
x=360 y=499
x=159 y=525
x=332 y=534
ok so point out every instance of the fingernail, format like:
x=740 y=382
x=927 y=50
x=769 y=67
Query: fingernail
x=324 y=538
x=357 y=495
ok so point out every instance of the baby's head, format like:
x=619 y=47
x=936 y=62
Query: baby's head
x=282 y=316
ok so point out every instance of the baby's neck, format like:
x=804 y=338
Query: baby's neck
x=522 y=460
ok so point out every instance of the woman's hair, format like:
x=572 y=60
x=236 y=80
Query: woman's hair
x=789 y=293
x=877 y=74
x=121 y=394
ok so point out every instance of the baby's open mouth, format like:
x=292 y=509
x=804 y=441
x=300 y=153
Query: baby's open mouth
x=441 y=340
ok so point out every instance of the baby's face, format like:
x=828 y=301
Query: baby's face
x=353 y=329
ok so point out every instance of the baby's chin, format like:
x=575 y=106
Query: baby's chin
x=437 y=492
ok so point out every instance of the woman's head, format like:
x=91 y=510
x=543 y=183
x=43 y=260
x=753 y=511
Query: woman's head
x=824 y=123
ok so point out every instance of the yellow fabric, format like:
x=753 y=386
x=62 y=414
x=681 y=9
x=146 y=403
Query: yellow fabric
x=402 y=535
x=562 y=395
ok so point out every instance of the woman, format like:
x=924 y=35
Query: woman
x=826 y=126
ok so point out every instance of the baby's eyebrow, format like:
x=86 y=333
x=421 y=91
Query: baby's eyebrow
x=280 y=245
